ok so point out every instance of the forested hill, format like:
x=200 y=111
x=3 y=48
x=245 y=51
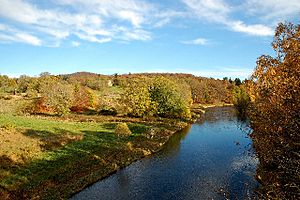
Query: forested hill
x=143 y=94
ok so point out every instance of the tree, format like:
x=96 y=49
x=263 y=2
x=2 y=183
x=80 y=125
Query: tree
x=23 y=83
x=84 y=99
x=45 y=74
x=237 y=82
x=275 y=92
x=241 y=100
x=116 y=80
x=7 y=84
x=137 y=99
x=56 y=98
x=171 y=101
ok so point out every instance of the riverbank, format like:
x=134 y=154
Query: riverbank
x=210 y=159
x=54 y=157
x=44 y=157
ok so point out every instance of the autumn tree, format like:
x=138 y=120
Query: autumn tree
x=7 y=84
x=84 y=99
x=275 y=92
x=137 y=99
x=56 y=98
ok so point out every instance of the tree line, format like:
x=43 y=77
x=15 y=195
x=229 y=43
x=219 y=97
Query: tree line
x=136 y=95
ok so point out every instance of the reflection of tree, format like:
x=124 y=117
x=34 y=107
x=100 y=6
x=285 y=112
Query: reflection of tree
x=215 y=114
x=173 y=145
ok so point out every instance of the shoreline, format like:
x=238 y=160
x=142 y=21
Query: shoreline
x=146 y=154
x=152 y=152
x=102 y=161
x=77 y=172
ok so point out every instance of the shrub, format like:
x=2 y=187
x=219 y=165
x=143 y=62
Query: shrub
x=122 y=130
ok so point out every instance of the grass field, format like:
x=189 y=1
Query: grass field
x=48 y=158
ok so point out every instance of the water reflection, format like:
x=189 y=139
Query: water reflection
x=207 y=160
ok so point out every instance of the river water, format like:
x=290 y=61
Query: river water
x=211 y=159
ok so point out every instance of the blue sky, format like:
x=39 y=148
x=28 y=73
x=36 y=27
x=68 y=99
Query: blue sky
x=212 y=38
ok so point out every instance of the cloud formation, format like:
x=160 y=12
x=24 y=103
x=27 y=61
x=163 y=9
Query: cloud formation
x=91 y=20
x=55 y=21
x=198 y=41
x=273 y=10
x=218 y=11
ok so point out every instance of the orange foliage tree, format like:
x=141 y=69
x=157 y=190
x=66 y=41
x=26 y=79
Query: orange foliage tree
x=84 y=99
x=275 y=114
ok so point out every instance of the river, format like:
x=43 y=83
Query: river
x=211 y=159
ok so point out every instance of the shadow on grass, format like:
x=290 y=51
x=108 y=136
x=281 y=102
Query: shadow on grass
x=69 y=160
x=53 y=140
x=64 y=159
x=109 y=126
x=6 y=163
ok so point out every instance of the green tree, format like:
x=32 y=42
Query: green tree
x=241 y=100
x=137 y=99
x=171 y=101
x=237 y=82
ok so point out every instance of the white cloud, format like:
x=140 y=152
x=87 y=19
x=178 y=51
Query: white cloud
x=93 y=38
x=27 y=38
x=211 y=10
x=218 y=11
x=274 y=10
x=19 y=11
x=75 y=44
x=137 y=34
x=126 y=20
x=91 y=20
x=198 y=41
x=256 y=29
x=9 y=34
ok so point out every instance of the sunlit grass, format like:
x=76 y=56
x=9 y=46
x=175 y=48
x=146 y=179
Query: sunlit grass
x=41 y=154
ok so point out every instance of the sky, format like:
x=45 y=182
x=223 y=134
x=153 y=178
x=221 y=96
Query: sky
x=210 y=38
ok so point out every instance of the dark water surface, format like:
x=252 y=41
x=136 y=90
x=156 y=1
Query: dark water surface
x=211 y=159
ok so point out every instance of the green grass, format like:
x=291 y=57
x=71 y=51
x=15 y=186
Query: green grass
x=56 y=157
x=51 y=157
x=52 y=125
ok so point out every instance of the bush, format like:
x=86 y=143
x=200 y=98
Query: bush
x=122 y=130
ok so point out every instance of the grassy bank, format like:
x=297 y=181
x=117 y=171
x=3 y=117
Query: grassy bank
x=49 y=158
